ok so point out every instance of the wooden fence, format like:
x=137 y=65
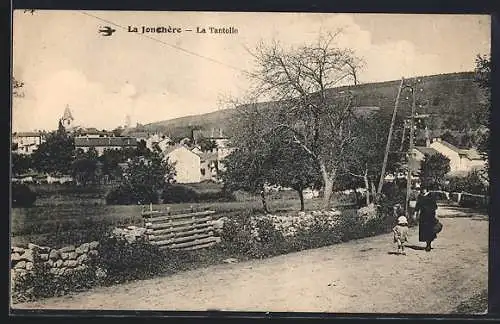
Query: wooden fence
x=186 y=230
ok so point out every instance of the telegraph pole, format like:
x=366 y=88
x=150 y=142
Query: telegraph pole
x=410 y=153
x=389 y=137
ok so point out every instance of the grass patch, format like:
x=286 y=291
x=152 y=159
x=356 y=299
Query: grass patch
x=477 y=304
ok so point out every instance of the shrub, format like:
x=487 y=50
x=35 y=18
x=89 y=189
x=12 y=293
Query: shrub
x=22 y=195
x=176 y=193
x=40 y=283
x=126 y=194
x=471 y=201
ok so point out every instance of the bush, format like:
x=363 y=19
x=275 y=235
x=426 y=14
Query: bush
x=130 y=195
x=473 y=201
x=42 y=284
x=176 y=193
x=22 y=195
x=126 y=260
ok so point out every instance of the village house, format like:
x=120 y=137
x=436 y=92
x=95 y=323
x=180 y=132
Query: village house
x=461 y=161
x=160 y=140
x=27 y=142
x=187 y=164
x=100 y=144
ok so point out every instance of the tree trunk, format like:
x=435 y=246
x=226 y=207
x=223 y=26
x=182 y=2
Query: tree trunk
x=367 y=188
x=263 y=199
x=373 y=191
x=328 y=185
x=301 y=196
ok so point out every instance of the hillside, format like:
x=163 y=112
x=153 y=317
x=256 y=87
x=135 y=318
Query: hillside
x=451 y=99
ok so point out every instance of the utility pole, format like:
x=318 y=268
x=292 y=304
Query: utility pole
x=410 y=153
x=389 y=137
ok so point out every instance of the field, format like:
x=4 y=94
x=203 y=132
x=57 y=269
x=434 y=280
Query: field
x=65 y=215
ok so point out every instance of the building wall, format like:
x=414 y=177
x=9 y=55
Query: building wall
x=100 y=149
x=455 y=159
x=27 y=144
x=187 y=165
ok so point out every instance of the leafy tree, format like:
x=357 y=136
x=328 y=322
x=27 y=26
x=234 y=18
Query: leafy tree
x=472 y=183
x=246 y=169
x=483 y=79
x=207 y=144
x=362 y=167
x=291 y=167
x=299 y=81
x=21 y=163
x=56 y=154
x=433 y=170
x=152 y=172
x=450 y=138
x=84 y=170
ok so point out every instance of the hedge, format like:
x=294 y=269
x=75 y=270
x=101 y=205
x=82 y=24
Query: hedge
x=22 y=195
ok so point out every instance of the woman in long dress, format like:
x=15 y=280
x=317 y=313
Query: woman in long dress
x=426 y=207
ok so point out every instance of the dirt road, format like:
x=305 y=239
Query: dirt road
x=357 y=276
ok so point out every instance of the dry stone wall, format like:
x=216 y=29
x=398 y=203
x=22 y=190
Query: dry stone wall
x=60 y=262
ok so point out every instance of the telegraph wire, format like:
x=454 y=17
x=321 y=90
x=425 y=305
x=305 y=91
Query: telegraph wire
x=170 y=45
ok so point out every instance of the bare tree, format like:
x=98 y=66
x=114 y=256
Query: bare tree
x=299 y=81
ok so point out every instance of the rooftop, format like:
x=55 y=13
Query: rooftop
x=27 y=134
x=105 y=141
x=426 y=150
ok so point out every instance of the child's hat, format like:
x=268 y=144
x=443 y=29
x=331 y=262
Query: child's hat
x=402 y=220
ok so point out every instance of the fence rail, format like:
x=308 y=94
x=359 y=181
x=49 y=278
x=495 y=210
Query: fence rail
x=185 y=230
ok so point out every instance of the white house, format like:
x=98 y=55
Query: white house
x=27 y=142
x=461 y=161
x=187 y=164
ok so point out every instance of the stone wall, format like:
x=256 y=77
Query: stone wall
x=60 y=262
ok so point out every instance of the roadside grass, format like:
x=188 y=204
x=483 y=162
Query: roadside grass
x=477 y=304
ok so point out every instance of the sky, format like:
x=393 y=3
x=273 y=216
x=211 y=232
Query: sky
x=63 y=60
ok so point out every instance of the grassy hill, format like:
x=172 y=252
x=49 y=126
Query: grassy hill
x=451 y=99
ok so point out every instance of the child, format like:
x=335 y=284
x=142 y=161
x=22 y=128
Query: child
x=401 y=234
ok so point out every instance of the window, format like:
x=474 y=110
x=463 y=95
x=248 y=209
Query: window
x=202 y=171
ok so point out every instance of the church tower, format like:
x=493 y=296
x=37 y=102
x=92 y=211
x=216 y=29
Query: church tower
x=67 y=118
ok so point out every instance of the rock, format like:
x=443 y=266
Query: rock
x=58 y=263
x=101 y=273
x=69 y=271
x=54 y=254
x=93 y=245
x=29 y=266
x=69 y=248
x=70 y=263
x=85 y=247
x=131 y=227
x=16 y=249
x=21 y=272
x=65 y=256
x=73 y=256
x=78 y=250
x=93 y=253
x=15 y=257
x=82 y=258
x=230 y=260
x=81 y=267
x=27 y=256
x=44 y=257
x=50 y=263
x=32 y=246
x=54 y=271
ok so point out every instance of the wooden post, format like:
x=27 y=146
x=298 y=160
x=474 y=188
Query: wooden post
x=410 y=154
x=389 y=137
